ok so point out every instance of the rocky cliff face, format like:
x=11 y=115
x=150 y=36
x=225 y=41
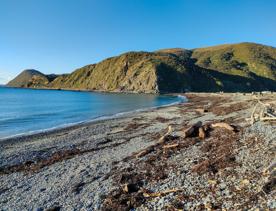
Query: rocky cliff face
x=236 y=67
x=128 y=72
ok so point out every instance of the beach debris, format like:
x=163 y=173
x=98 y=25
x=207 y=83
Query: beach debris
x=170 y=146
x=145 y=152
x=206 y=127
x=163 y=138
x=106 y=141
x=269 y=172
x=134 y=126
x=131 y=188
x=162 y=119
x=32 y=166
x=148 y=194
x=78 y=187
x=252 y=117
x=161 y=141
x=120 y=200
x=54 y=208
x=245 y=182
x=192 y=129
x=212 y=182
x=201 y=110
x=270 y=169
x=218 y=158
x=262 y=112
x=269 y=186
x=201 y=133
x=223 y=125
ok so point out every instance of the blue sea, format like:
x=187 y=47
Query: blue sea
x=27 y=111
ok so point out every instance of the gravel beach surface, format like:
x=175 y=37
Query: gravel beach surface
x=121 y=164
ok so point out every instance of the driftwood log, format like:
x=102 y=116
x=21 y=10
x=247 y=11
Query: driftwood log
x=162 y=139
x=223 y=125
x=192 y=129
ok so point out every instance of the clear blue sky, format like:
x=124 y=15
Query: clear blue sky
x=57 y=36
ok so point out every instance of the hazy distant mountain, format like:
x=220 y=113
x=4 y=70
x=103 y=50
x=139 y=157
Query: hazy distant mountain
x=232 y=67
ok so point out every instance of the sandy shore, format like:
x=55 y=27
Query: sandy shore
x=118 y=164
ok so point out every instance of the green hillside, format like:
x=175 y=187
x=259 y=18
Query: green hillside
x=234 y=67
x=248 y=66
x=31 y=78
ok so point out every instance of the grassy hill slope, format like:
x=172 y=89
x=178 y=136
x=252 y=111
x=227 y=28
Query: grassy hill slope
x=31 y=78
x=248 y=66
x=233 y=67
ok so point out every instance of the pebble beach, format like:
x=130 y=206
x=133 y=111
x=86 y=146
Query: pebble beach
x=120 y=163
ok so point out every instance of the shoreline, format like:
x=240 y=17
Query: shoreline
x=87 y=90
x=120 y=163
x=71 y=126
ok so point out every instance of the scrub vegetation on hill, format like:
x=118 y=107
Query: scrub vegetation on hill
x=234 y=67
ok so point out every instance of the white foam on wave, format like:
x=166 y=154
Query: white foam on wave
x=182 y=97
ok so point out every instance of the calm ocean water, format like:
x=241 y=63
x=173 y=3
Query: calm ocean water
x=25 y=111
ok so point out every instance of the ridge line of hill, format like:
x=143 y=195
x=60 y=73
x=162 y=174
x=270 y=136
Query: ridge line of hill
x=242 y=67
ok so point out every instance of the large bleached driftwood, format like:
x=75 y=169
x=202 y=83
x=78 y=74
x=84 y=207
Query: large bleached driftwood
x=223 y=125
x=262 y=112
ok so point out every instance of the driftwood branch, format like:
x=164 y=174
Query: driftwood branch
x=252 y=114
x=157 y=194
x=145 y=152
x=268 y=118
x=270 y=114
x=170 y=146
